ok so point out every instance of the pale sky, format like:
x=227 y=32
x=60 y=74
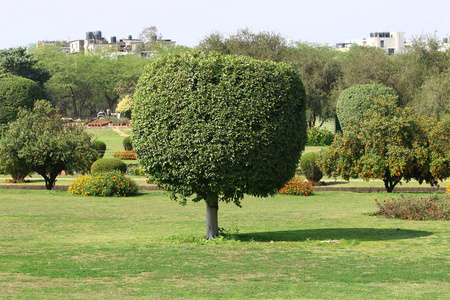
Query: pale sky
x=187 y=22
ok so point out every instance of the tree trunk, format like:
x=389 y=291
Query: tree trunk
x=212 y=223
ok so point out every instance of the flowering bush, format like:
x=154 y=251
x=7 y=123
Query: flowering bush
x=297 y=186
x=448 y=188
x=410 y=208
x=108 y=184
x=125 y=155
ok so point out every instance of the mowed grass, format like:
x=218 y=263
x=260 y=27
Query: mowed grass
x=57 y=246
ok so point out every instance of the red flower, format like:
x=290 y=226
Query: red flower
x=406 y=218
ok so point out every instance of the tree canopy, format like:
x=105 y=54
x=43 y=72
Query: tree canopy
x=392 y=144
x=217 y=127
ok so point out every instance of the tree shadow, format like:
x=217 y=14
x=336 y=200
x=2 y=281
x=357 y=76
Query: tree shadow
x=360 y=234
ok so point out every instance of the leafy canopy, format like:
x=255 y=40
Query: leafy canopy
x=391 y=144
x=214 y=125
x=39 y=141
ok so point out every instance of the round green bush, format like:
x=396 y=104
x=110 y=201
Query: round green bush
x=309 y=167
x=354 y=101
x=14 y=92
x=127 y=145
x=107 y=184
x=108 y=164
x=100 y=147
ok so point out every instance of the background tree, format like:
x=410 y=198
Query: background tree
x=217 y=127
x=356 y=100
x=16 y=61
x=390 y=143
x=149 y=35
x=16 y=92
x=38 y=140
x=320 y=71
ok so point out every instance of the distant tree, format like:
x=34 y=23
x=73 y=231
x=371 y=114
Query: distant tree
x=261 y=46
x=38 y=141
x=365 y=65
x=16 y=92
x=217 y=127
x=125 y=106
x=391 y=144
x=320 y=71
x=433 y=98
x=149 y=35
x=356 y=100
x=16 y=61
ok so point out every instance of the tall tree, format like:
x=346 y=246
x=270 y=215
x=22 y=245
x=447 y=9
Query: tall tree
x=16 y=61
x=217 y=127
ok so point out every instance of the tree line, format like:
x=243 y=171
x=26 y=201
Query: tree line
x=81 y=85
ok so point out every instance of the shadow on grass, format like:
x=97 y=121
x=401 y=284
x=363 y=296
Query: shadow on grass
x=360 y=234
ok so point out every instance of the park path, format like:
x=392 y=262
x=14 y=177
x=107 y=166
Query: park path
x=120 y=132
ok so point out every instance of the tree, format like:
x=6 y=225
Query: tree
x=149 y=35
x=262 y=45
x=16 y=92
x=356 y=100
x=125 y=106
x=391 y=144
x=39 y=141
x=320 y=71
x=217 y=127
x=17 y=62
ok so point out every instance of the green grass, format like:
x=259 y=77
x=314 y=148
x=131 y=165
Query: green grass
x=112 y=139
x=56 y=246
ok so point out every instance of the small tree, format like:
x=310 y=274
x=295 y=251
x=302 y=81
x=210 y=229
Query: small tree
x=39 y=141
x=356 y=100
x=217 y=127
x=391 y=144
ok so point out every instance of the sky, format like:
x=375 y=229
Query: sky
x=188 y=22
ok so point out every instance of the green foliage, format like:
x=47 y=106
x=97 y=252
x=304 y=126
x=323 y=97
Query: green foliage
x=108 y=164
x=319 y=137
x=127 y=144
x=39 y=141
x=297 y=186
x=16 y=92
x=113 y=183
x=214 y=125
x=17 y=62
x=411 y=208
x=100 y=147
x=391 y=144
x=309 y=167
x=356 y=100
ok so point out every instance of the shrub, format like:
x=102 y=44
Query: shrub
x=297 y=186
x=319 y=137
x=309 y=168
x=411 y=208
x=100 y=147
x=354 y=101
x=108 y=184
x=127 y=145
x=108 y=164
x=125 y=106
x=125 y=155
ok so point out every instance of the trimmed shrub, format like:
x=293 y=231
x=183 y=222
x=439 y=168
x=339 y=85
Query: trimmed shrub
x=127 y=145
x=354 y=101
x=309 y=168
x=108 y=164
x=125 y=155
x=100 y=147
x=297 y=186
x=16 y=92
x=108 y=184
x=410 y=208
x=319 y=137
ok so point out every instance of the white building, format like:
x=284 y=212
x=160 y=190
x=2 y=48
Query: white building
x=391 y=42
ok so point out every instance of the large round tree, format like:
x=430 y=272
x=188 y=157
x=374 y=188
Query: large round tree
x=216 y=127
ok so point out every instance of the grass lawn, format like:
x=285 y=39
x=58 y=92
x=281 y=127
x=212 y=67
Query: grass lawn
x=57 y=246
